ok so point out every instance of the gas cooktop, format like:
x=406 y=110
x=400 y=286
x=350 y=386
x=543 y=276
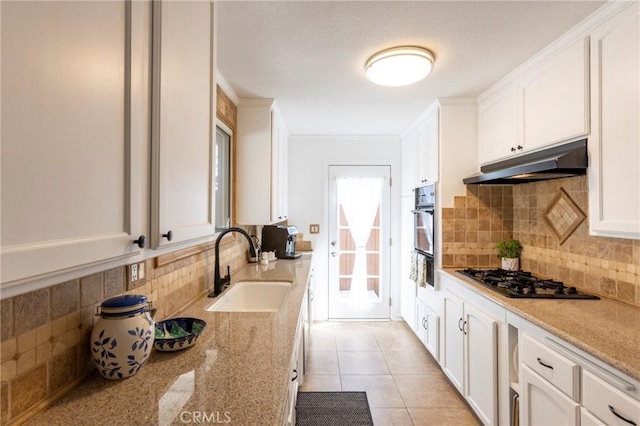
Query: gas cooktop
x=524 y=285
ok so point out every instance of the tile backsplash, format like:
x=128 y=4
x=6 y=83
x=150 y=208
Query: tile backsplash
x=45 y=333
x=609 y=267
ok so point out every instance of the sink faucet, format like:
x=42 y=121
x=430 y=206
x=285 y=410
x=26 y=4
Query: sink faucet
x=219 y=283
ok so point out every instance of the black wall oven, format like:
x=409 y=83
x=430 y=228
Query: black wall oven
x=424 y=227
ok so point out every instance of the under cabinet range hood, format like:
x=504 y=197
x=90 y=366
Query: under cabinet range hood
x=558 y=162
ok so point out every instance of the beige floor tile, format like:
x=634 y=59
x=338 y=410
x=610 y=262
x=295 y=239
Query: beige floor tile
x=321 y=383
x=442 y=417
x=396 y=340
x=352 y=327
x=356 y=342
x=411 y=362
x=323 y=362
x=361 y=362
x=391 y=417
x=395 y=326
x=381 y=389
x=427 y=391
x=323 y=342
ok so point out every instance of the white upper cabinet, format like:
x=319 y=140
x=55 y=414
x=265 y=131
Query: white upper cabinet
x=544 y=105
x=183 y=122
x=614 y=145
x=409 y=162
x=71 y=135
x=262 y=163
x=555 y=97
x=498 y=125
x=420 y=151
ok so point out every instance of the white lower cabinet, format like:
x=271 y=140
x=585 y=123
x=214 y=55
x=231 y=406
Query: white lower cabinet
x=606 y=404
x=296 y=377
x=427 y=327
x=470 y=355
x=559 y=385
x=543 y=404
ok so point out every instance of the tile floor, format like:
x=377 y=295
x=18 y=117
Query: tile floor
x=404 y=385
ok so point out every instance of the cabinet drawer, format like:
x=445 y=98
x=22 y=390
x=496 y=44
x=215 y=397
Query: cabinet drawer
x=554 y=367
x=607 y=403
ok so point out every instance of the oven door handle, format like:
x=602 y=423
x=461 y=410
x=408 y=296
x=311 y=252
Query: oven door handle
x=428 y=211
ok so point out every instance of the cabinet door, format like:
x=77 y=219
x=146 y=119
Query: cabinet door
x=183 y=122
x=409 y=160
x=543 y=404
x=407 y=287
x=421 y=153
x=481 y=363
x=432 y=129
x=555 y=97
x=588 y=419
x=71 y=145
x=279 y=168
x=498 y=125
x=614 y=145
x=432 y=332
x=421 y=328
x=452 y=358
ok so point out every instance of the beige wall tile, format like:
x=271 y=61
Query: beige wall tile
x=8 y=370
x=4 y=402
x=91 y=290
x=62 y=369
x=26 y=361
x=27 y=341
x=27 y=390
x=6 y=319
x=114 y=281
x=30 y=310
x=8 y=349
x=65 y=298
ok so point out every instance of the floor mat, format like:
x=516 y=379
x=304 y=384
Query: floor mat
x=333 y=409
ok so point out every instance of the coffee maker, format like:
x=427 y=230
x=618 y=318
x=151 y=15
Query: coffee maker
x=281 y=239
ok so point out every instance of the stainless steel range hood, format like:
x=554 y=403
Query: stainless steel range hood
x=562 y=161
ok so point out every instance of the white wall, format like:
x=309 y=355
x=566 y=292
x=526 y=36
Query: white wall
x=309 y=161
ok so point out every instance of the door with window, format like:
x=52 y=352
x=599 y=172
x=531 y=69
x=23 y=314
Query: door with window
x=359 y=240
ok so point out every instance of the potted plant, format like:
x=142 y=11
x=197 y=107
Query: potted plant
x=510 y=251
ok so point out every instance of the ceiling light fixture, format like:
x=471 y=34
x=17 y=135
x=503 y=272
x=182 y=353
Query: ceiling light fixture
x=399 y=66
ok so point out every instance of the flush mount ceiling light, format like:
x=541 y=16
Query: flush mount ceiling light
x=399 y=66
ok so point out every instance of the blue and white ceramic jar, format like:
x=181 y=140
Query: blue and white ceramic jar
x=122 y=338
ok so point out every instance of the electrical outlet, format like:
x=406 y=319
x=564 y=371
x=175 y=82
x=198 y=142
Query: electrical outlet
x=134 y=272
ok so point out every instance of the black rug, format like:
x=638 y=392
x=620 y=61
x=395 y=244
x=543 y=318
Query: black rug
x=333 y=409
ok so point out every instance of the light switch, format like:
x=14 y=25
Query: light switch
x=314 y=228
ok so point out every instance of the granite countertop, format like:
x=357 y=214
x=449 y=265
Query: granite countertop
x=607 y=329
x=237 y=373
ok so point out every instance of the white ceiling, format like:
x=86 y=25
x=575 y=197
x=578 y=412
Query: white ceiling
x=310 y=55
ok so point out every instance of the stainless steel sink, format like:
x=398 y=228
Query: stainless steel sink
x=253 y=296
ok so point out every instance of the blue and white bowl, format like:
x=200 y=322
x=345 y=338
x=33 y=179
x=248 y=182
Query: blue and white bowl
x=175 y=334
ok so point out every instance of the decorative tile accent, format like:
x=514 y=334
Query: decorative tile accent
x=563 y=216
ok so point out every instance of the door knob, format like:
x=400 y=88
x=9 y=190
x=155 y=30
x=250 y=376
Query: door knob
x=333 y=243
x=168 y=235
x=333 y=254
